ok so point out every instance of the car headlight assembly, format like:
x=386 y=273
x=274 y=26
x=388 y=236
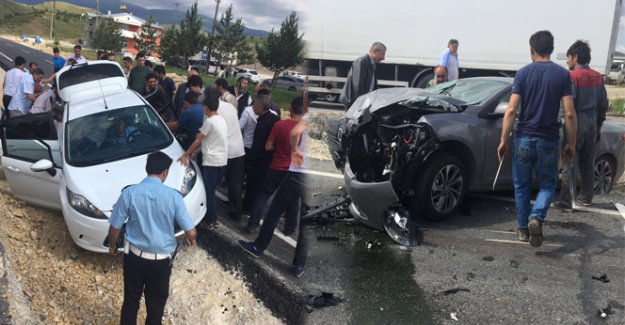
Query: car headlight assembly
x=189 y=179
x=82 y=205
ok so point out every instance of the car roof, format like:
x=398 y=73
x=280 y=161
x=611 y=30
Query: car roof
x=90 y=79
x=96 y=104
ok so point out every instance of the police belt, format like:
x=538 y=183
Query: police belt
x=146 y=255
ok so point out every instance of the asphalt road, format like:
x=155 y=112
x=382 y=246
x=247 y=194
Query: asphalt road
x=9 y=50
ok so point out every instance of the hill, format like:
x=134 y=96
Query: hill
x=162 y=16
x=18 y=19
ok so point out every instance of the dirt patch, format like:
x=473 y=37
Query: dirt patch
x=66 y=285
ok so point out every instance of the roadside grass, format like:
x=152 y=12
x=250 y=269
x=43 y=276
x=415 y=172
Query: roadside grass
x=617 y=106
x=36 y=21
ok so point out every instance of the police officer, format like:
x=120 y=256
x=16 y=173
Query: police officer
x=150 y=209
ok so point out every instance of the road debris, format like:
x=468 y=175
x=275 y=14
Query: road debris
x=453 y=316
x=454 y=290
x=323 y=299
x=603 y=278
x=603 y=313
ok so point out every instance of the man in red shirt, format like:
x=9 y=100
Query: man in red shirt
x=278 y=142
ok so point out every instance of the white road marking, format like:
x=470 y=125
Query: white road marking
x=48 y=61
x=25 y=51
x=518 y=242
x=9 y=44
x=621 y=209
x=579 y=208
x=331 y=175
x=276 y=232
x=8 y=58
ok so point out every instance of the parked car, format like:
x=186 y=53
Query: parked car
x=98 y=148
x=289 y=83
x=418 y=151
x=249 y=74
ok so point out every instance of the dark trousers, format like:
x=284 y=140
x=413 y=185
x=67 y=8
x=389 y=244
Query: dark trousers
x=6 y=99
x=234 y=177
x=211 y=176
x=147 y=277
x=291 y=190
x=271 y=182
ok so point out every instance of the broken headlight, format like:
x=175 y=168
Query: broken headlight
x=82 y=205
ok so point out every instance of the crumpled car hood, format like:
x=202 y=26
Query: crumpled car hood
x=381 y=98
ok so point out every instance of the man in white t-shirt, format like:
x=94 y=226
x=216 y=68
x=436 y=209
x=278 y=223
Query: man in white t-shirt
x=236 y=156
x=77 y=58
x=11 y=79
x=24 y=95
x=213 y=140
x=292 y=188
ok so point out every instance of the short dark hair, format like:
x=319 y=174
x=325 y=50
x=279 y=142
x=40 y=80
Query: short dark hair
x=190 y=97
x=195 y=81
x=148 y=63
x=157 y=163
x=37 y=71
x=56 y=50
x=150 y=76
x=263 y=99
x=582 y=50
x=453 y=41
x=240 y=80
x=77 y=46
x=160 y=69
x=195 y=68
x=19 y=60
x=211 y=98
x=542 y=42
x=297 y=105
x=140 y=55
x=30 y=65
x=221 y=82
x=128 y=59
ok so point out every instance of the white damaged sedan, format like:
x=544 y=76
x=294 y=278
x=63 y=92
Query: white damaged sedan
x=81 y=164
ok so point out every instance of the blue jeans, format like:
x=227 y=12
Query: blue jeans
x=539 y=155
x=211 y=176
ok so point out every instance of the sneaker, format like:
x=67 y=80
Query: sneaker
x=523 y=235
x=583 y=203
x=536 y=232
x=297 y=271
x=250 y=247
x=565 y=206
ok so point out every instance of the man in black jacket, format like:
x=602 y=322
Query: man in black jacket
x=361 y=78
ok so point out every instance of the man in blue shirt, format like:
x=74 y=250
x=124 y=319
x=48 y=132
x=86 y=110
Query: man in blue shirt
x=150 y=210
x=538 y=88
x=190 y=120
x=449 y=59
x=57 y=60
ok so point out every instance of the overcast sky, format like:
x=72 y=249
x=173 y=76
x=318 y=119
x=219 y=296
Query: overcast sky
x=257 y=14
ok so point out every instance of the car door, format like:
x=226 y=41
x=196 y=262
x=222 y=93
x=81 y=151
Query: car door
x=493 y=136
x=25 y=141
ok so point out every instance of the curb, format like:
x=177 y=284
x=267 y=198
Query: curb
x=280 y=294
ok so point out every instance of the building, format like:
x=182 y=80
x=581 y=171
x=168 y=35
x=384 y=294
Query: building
x=129 y=24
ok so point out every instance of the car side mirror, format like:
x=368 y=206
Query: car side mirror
x=500 y=109
x=43 y=165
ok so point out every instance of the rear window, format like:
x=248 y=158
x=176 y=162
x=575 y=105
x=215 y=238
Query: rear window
x=85 y=73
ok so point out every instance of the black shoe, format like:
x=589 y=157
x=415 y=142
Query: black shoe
x=250 y=247
x=565 y=206
x=536 y=232
x=297 y=271
x=523 y=235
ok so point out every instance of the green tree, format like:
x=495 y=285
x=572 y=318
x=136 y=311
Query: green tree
x=230 y=43
x=147 y=37
x=107 y=37
x=189 y=38
x=283 y=49
x=168 y=49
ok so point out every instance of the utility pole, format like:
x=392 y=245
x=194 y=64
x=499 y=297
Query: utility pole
x=52 y=19
x=176 y=4
x=210 y=42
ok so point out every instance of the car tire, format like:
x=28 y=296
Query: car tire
x=424 y=80
x=331 y=98
x=604 y=171
x=440 y=187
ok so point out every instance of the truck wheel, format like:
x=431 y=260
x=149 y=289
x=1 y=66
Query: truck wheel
x=424 y=80
x=604 y=174
x=440 y=187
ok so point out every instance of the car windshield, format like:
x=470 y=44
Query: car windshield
x=470 y=91
x=114 y=135
x=253 y=72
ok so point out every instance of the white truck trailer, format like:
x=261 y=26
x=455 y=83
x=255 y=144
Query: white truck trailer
x=493 y=36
